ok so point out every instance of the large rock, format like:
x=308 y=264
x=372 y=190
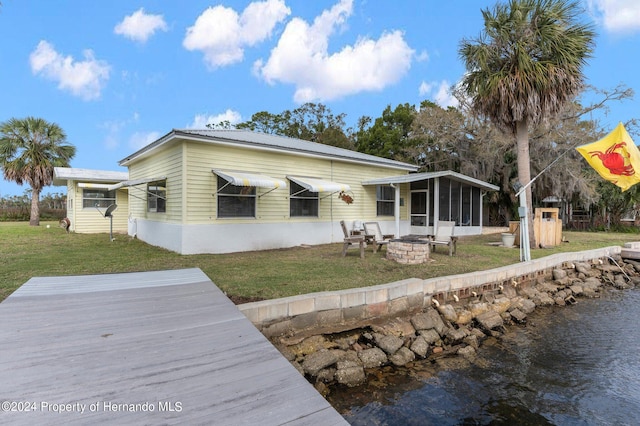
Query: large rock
x=429 y=319
x=490 y=320
x=576 y=289
x=509 y=291
x=456 y=335
x=547 y=287
x=525 y=305
x=518 y=316
x=420 y=346
x=316 y=361
x=431 y=336
x=399 y=327
x=591 y=286
x=372 y=358
x=472 y=340
x=544 y=299
x=559 y=274
x=389 y=344
x=448 y=312
x=464 y=317
x=350 y=373
x=402 y=357
x=468 y=352
x=584 y=268
x=500 y=305
x=530 y=292
x=478 y=308
x=311 y=345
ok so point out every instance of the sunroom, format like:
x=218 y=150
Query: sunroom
x=433 y=197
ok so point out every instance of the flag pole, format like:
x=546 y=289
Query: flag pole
x=525 y=243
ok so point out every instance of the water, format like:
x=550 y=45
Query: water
x=575 y=365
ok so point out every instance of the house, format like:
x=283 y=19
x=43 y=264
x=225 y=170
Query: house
x=220 y=191
x=88 y=199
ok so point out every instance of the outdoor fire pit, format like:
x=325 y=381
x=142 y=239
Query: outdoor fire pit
x=409 y=250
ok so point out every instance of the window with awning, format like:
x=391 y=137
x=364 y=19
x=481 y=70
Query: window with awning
x=236 y=193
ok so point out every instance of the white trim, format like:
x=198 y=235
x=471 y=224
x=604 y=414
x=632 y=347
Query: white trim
x=414 y=177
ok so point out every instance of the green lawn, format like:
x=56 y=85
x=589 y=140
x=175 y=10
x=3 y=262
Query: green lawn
x=40 y=251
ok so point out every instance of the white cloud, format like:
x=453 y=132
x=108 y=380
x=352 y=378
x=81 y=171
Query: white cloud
x=139 y=26
x=422 y=56
x=114 y=128
x=141 y=139
x=221 y=34
x=439 y=92
x=301 y=58
x=425 y=88
x=200 y=121
x=617 y=16
x=82 y=78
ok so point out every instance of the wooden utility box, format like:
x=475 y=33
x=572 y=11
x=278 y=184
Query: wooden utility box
x=547 y=227
x=514 y=228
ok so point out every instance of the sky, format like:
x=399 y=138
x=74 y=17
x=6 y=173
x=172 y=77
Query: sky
x=117 y=75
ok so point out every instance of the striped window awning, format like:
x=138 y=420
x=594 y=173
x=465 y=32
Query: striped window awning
x=90 y=185
x=130 y=183
x=319 y=185
x=250 y=179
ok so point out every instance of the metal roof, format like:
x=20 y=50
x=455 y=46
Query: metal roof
x=266 y=141
x=62 y=174
x=414 y=177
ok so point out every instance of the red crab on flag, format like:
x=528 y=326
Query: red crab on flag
x=615 y=161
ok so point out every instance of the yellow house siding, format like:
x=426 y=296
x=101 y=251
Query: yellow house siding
x=166 y=163
x=192 y=186
x=90 y=220
x=364 y=205
x=201 y=183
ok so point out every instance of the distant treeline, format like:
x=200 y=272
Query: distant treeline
x=17 y=208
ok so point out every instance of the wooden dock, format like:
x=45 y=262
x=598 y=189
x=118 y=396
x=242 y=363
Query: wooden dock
x=143 y=348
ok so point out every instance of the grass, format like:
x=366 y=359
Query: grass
x=27 y=252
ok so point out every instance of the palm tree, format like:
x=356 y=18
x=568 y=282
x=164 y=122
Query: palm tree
x=29 y=150
x=525 y=66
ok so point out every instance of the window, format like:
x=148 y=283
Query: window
x=236 y=201
x=385 y=200
x=98 y=198
x=157 y=196
x=302 y=203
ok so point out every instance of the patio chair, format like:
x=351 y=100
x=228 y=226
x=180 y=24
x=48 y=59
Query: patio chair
x=352 y=241
x=444 y=236
x=375 y=235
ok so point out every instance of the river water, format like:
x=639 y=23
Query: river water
x=574 y=365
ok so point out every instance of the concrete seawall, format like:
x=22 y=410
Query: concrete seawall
x=337 y=309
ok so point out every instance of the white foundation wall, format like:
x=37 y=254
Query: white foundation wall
x=234 y=237
x=160 y=234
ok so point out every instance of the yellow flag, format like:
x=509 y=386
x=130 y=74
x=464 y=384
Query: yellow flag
x=615 y=157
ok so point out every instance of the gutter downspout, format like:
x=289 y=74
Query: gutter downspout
x=396 y=212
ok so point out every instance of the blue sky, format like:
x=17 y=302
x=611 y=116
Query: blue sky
x=116 y=75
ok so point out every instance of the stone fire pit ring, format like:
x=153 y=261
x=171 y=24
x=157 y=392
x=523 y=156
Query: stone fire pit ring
x=409 y=250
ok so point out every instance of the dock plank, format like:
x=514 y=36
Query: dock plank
x=163 y=347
